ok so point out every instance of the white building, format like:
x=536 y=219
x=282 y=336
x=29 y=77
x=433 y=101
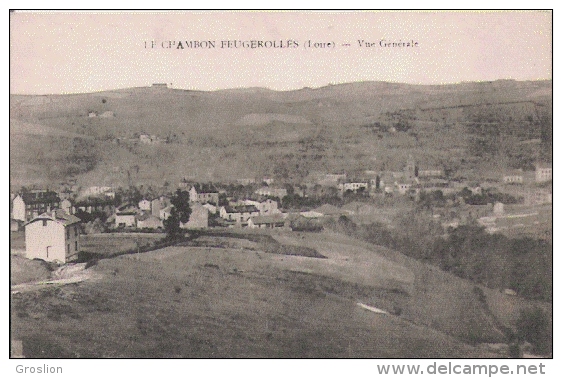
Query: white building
x=272 y=192
x=202 y=196
x=267 y=221
x=107 y=114
x=199 y=218
x=513 y=177
x=239 y=214
x=268 y=180
x=211 y=208
x=311 y=214
x=353 y=186
x=543 y=172
x=53 y=236
x=538 y=196
x=148 y=139
x=66 y=205
x=335 y=177
x=403 y=187
x=267 y=207
x=145 y=204
x=93 y=191
x=126 y=217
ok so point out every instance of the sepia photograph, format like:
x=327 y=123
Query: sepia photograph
x=281 y=185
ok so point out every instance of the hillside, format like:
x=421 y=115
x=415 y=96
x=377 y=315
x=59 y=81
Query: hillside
x=237 y=300
x=225 y=134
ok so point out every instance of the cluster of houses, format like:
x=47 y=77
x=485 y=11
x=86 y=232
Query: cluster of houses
x=409 y=181
x=413 y=179
x=45 y=212
x=52 y=226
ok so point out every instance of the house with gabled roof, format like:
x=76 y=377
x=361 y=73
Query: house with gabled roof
x=239 y=214
x=145 y=219
x=126 y=216
x=53 y=236
x=513 y=177
x=267 y=221
x=272 y=192
x=543 y=172
x=203 y=194
x=145 y=204
x=28 y=205
x=266 y=207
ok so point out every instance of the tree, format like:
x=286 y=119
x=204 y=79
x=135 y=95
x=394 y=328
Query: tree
x=172 y=224
x=180 y=213
x=180 y=200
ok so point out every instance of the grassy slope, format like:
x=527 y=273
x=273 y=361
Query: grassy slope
x=431 y=297
x=222 y=302
x=225 y=134
x=136 y=311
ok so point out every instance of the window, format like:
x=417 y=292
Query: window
x=76 y=245
x=44 y=222
x=68 y=233
x=75 y=231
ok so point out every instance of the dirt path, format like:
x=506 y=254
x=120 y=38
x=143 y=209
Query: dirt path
x=65 y=275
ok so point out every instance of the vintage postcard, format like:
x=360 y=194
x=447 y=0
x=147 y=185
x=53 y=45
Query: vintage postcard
x=268 y=184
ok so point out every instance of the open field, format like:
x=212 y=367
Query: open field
x=239 y=301
x=109 y=244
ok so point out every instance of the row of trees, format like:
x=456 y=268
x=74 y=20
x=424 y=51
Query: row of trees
x=436 y=198
x=493 y=260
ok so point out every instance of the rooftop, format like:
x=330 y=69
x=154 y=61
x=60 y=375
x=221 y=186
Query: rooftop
x=268 y=219
x=40 y=197
x=59 y=216
x=241 y=209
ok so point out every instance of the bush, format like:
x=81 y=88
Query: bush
x=91 y=263
x=514 y=351
x=86 y=257
x=535 y=326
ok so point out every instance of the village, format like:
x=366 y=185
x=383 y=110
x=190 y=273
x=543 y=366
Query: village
x=53 y=220
x=338 y=200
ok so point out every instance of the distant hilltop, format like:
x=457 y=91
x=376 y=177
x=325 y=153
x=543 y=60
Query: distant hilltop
x=237 y=133
x=357 y=87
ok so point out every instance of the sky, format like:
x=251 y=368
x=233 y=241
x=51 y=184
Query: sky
x=72 y=52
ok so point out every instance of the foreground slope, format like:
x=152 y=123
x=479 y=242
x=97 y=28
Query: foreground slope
x=240 y=302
